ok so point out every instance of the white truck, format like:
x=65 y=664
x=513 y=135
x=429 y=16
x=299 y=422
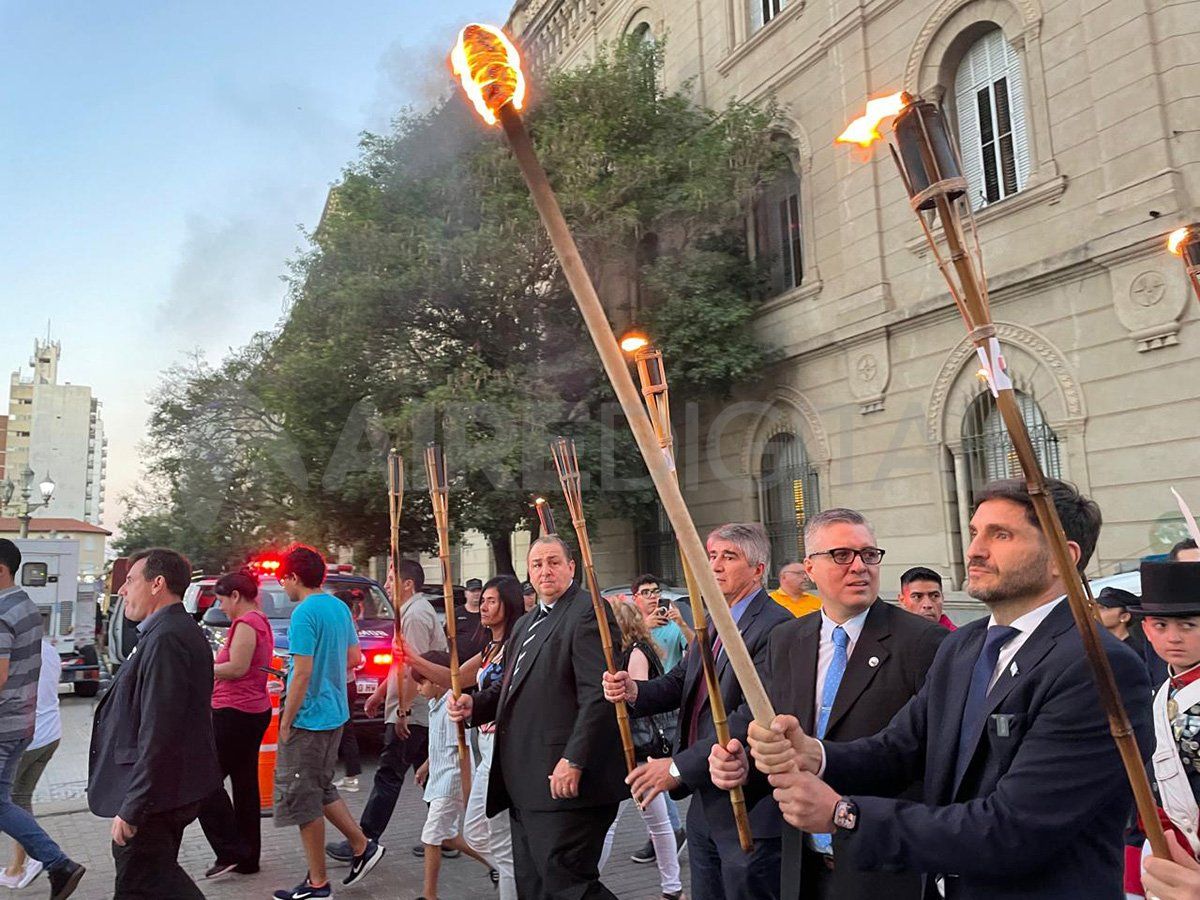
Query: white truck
x=50 y=576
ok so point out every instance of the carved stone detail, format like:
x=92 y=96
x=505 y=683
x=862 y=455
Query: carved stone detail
x=1149 y=304
x=1034 y=344
x=868 y=370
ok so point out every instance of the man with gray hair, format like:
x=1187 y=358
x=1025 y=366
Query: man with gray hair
x=843 y=672
x=740 y=556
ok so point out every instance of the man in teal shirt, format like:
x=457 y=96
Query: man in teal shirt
x=323 y=644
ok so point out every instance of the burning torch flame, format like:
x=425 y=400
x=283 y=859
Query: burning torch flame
x=489 y=66
x=1175 y=238
x=634 y=341
x=864 y=130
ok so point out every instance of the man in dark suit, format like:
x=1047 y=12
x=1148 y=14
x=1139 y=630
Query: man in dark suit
x=843 y=672
x=153 y=759
x=1025 y=794
x=557 y=766
x=740 y=555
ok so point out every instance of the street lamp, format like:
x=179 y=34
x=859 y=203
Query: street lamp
x=26 y=506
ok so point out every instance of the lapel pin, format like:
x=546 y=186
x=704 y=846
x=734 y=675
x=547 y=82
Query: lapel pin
x=873 y=661
x=1013 y=670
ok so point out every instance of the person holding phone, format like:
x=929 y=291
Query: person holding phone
x=667 y=627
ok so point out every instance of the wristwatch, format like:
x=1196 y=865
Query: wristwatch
x=673 y=771
x=845 y=814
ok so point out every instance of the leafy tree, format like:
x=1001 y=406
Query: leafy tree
x=431 y=307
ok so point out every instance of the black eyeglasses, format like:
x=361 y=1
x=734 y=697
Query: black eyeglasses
x=650 y=592
x=843 y=556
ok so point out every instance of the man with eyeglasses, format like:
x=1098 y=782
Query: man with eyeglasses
x=668 y=628
x=1025 y=795
x=843 y=672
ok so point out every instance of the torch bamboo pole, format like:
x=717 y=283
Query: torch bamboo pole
x=567 y=464
x=435 y=469
x=618 y=374
x=395 y=474
x=981 y=330
x=658 y=404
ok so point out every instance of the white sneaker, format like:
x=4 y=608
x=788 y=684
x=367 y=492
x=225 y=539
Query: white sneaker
x=347 y=784
x=10 y=881
x=32 y=870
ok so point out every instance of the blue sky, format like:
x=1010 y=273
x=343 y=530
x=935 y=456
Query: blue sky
x=159 y=161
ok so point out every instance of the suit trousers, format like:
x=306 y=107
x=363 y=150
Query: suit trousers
x=556 y=855
x=148 y=865
x=233 y=828
x=722 y=871
x=395 y=759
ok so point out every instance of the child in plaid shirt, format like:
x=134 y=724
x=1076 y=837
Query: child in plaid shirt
x=441 y=777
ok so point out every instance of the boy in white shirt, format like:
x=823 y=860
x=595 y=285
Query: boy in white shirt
x=442 y=779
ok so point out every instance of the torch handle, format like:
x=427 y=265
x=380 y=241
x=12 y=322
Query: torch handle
x=585 y=550
x=451 y=634
x=716 y=702
x=639 y=422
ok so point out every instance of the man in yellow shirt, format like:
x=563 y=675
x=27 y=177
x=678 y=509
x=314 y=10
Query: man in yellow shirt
x=791 y=594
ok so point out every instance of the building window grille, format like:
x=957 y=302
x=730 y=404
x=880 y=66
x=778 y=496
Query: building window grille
x=993 y=135
x=789 y=490
x=989 y=449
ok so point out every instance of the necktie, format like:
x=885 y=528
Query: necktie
x=538 y=617
x=981 y=677
x=702 y=689
x=823 y=843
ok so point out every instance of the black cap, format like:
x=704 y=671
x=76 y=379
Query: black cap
x=1115 y=598
x=1169 y=589
x=473 y=584
x=527 y=588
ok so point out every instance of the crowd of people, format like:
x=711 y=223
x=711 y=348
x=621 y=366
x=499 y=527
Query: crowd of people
x=908 y=758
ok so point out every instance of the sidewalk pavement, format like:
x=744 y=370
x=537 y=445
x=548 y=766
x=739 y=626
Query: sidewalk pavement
x=62 y=810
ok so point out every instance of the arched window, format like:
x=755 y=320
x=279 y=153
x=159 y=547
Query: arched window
x=778 y=232
x=989 y=97
x=763 y=11
x=789 y=492
x=989 y=450
x=642 y=32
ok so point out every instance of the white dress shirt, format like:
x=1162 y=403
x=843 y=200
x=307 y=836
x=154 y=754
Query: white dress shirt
x=1025 y=625
x=853 y=628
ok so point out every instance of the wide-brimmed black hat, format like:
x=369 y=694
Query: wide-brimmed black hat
x=1169 y=589
x=1115 y=598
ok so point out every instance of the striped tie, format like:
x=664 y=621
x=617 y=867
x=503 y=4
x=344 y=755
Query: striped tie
x=538 y=617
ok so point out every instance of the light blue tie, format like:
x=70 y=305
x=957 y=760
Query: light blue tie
x=833 y=680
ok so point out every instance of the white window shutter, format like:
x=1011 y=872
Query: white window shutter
x=1017 y=103
x=756 y=15
x=968 y=125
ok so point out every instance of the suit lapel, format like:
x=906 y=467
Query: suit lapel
x=803 y=663
x=859 y=670
x=538 y=641
x=1036 y=646
x=745 y=623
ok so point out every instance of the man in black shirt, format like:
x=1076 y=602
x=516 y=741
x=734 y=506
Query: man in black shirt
x=470 y=636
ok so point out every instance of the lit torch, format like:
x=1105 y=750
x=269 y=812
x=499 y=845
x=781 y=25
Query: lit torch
x=498 y=96
x=925 y=155
x=395 y=478
x=1185 y=243
x=545 y=516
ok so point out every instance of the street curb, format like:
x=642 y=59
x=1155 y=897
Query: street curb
x=60 y=807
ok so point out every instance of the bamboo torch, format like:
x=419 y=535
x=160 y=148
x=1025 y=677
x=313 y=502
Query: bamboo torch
x=653 y=377
x=1185 y=243
x=395 y=477
x=439 y=494
x=545 y=515
x=567 y=464
x=490 y=69
x=924 y=153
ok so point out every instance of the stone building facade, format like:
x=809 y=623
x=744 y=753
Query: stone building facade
x=1078 y=126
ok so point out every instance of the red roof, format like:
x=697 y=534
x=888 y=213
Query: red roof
x=9 y=525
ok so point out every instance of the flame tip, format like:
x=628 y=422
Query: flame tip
x=1176 y=238
x=489 y=67
x=864 y=130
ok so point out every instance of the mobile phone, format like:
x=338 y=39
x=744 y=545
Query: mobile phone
x=664 y=607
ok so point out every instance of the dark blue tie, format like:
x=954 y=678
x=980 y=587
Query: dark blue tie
x=981 y=676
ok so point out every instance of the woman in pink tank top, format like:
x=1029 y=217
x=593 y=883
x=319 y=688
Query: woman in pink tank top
x=241 y=714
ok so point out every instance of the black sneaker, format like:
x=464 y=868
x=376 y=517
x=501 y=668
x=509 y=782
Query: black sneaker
x=447 y=852
x=217 y=869
x=340 y=852
x=645 y=855
x=680 y=840
x=364 y=863
x=305 y=891
x=64 y=879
